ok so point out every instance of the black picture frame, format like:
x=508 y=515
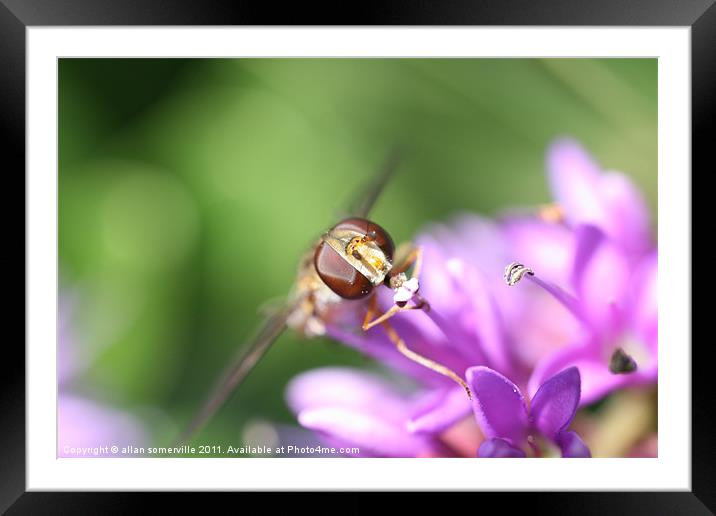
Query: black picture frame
x=17 y=15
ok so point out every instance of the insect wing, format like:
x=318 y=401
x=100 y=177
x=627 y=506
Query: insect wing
x=250 y=355
x=275 y=324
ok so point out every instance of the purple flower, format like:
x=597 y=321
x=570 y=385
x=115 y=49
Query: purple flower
x=590 y=302
x=616 y=304
x=86 y=428
x=351 y=408
x=510 y=427
x=89 y=429
x=518 y=326
x=600 y=264
x=607 y=200
x=461 y=329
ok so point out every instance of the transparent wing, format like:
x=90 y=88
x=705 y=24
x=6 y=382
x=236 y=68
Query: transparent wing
x=250 y=355
x=363 y=202
x=275 y=324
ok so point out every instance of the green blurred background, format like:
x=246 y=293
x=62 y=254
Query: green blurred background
x=188 y=189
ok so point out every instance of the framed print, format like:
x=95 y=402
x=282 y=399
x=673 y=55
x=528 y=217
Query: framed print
x=376 y=257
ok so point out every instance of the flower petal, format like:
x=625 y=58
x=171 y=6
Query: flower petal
x=596 y=379
x=480 y=317
x=354 y=408
x=572 y=446
x=644 y=301
x=601 y=274
x=371 y=433
x=574 y=179
x=627 y=213
x=539 y=318
x=344 y=387
x=440 y=412
x=498 y=404
x=445 y=334
x=435 y=285
x=83 y=423
x=477 y=240
x=610 y=200
x=499 y=449
x=418 y=331
x=555 y=403
x=546 y=248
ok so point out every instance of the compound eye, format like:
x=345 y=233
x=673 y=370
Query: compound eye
x=339 y=275
x=373 y=231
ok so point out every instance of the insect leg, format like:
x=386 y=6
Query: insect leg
x=414 y=256
x=368 y=323
x=424 y=361
x=372 y=309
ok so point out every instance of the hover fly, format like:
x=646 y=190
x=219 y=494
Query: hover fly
x=350 y=261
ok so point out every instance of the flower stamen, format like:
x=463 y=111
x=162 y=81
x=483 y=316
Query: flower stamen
x=514 y=273
x=552 y=213
x=621 y=362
